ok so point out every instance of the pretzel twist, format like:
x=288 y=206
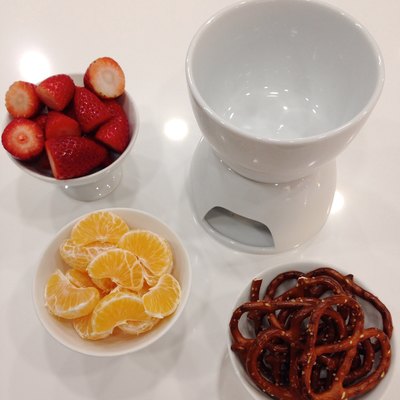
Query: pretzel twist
x=310 y=341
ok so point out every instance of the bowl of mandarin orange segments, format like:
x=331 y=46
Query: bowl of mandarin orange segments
x=73 y=130
x=112 y=282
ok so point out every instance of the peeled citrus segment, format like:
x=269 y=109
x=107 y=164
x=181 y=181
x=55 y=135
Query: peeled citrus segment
x=99 y=226
x=115 y=309
x=78 y=256
x=140 y=292
x=162 y=299
x=153 y=251
x=79 y=278
x=105 y=284
x=83 y=326
x=82 y=279
x=138 y=327
x=150 y=278
x=121 y=266
x=65 y=300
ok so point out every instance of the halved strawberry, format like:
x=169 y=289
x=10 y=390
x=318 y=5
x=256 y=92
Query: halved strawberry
x=115 y=132
x=59 y=124
x=74 y=156
x=105 y=77
x=22 y=100
x=56 y=91
x=89 y=110
x=23 y=139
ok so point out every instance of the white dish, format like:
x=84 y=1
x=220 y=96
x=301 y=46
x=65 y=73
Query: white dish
x=279 y=88
x=101 y=183
x=256 y=217
x=267 y=276
x=63 y=331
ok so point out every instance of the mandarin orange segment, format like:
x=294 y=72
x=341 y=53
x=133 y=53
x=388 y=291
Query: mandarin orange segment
x=105 y=284
x=78 y=256
x=79 y=278
x=115 y=309
x=65 y=300
x=83 y=327
x=121 y=266
x=138 y=327
x=162 y=299
x=82 y=279
x=153 y=251
x=100 y=226
x=119 y=280
x=150 y=278
x=137 y=277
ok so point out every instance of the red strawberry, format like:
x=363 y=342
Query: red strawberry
x=109 y=160
x=105 y=77
x=114 y=107
x=22 y=100
x=70 y=111
x=23 y=139
x=115 y=132
x=59 y=124
x=41 y=120
x=42 y=164
x=56 y=91
x=89 y=109
x=74 y=156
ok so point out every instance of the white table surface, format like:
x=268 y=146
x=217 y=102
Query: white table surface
x=149 y=39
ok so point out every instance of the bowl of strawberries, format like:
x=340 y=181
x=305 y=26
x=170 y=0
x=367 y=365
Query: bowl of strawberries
x=73 y=130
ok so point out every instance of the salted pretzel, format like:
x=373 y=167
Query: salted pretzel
x=309 y=341
x=347 y=281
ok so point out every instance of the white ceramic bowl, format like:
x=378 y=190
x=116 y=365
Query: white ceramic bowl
x=270 y=273
x=101 y=183
x=279 y=88
x=116 y=345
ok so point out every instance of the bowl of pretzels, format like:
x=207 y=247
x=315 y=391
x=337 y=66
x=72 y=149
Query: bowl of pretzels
x=311 y=332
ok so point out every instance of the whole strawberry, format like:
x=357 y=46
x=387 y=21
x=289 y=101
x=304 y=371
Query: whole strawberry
x=89 y=110
x=56 y=91
x=74 y=156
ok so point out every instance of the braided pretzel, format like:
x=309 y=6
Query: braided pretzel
x=310 y=342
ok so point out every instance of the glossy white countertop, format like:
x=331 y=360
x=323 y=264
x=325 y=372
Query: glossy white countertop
x=150 y=39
